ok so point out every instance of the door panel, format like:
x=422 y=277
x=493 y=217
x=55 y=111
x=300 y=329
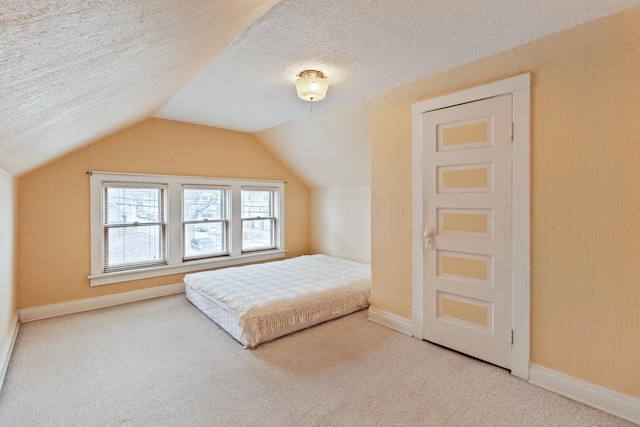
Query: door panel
x=465 y=311
x=465 y=222
x=465 y=178
x=467 y=204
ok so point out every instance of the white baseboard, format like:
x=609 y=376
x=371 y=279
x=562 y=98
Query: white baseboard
x=7 y=347
x=613 y=402
x=70 y=307
x=391 y=320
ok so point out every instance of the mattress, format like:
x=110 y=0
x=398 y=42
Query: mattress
x=258 y=303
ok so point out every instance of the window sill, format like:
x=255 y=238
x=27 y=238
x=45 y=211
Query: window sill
x=185 y=267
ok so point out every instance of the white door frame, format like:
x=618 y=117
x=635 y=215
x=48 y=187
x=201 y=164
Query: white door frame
x=519 y=88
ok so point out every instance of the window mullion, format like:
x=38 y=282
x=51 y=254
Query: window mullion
x=235 y=221
x=174 y=223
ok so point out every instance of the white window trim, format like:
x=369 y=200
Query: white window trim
x=175 y=264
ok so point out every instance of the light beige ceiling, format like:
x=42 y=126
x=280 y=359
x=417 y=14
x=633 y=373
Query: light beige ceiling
x=73 y=71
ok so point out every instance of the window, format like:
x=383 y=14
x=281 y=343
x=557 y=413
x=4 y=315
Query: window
x=134 y=227
x=153 y=225
x=205 y=224
x=258 y=219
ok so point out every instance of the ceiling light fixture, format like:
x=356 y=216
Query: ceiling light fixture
x=312 y=85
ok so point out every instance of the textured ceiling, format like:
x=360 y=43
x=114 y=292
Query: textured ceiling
x=364 y=47
x=73 y=71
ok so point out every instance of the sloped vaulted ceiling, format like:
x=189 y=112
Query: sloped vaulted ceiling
x=72 y=71
x=364 y=47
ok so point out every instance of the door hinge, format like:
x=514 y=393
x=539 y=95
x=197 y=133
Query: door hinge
x=511 y=338
x=511 y=131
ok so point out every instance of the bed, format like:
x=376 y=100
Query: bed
x=261 y=302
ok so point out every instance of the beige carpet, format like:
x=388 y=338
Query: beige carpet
x=163 y=363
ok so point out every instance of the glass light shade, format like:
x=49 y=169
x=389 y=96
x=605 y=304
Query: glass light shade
x=312 y=85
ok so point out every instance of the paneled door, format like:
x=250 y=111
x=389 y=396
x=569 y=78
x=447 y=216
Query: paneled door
x=468 y=228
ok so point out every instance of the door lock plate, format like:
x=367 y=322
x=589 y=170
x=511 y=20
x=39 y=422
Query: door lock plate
x=428 y=236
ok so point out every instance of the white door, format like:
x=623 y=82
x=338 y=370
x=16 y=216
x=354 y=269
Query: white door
x=468 y=228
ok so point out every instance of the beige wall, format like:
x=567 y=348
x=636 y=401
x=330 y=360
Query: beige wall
x=341 y=222
x=585 y=289
x=391 y=214
x=53 y=201
x=7 y=258
x=585 y=228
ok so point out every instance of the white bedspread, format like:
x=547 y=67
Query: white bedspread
x=278 y=295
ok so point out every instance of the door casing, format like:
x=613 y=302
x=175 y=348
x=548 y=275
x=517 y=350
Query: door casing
x=519 y=88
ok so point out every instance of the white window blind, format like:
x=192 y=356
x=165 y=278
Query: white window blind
x=134 y=226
